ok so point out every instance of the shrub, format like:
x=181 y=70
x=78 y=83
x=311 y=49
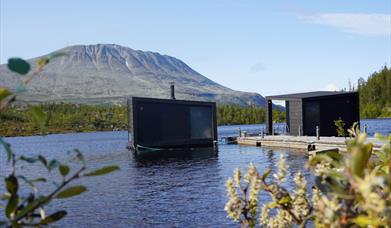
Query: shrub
x=352 y=189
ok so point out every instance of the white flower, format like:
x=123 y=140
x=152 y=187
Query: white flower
x=282 y=169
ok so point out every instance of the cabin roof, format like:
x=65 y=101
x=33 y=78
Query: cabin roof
x=295 y=96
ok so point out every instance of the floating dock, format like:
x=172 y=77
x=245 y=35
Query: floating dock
x=307 y=143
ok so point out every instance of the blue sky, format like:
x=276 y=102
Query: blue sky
x=269 y=47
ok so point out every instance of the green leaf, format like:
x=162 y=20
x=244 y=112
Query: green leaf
x=30 y=207
x=335 y=155
x=4 y=92
x=53 y=217
x=72 y=191
x=53 y=164
x=7 y=148
x=336 y=175
x=42 y=159
x=64 y=170
x=11 y=184
x=18 y=65
x=27 y=181
x=103 y=171
x=31 y=182
x=360 y=158
x=28 y=159
x=79 y=155
x=11 y=205
x=41 y=179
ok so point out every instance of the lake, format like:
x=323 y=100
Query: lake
x=176 y=191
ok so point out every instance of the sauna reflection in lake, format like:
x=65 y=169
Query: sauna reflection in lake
x=169 y=123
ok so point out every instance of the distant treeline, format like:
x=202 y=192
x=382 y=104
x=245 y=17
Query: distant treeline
x=235 y=114
x=375 y=94
x=62 y=118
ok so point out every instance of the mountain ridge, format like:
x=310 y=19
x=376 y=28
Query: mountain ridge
x=107 y=73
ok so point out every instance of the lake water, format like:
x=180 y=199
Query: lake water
x=176 y=191
x=382 y=126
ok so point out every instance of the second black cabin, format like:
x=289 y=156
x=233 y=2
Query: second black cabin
x=170 y=123
x=306 y=111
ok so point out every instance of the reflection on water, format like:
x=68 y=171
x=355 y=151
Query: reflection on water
x=174 y=155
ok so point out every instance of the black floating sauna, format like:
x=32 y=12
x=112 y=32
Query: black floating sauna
x=306 y=111
x=169 y=123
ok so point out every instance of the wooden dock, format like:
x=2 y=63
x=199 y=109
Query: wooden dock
x=307 y=143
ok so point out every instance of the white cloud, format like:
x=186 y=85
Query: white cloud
x=375 y=24
x=330 y=87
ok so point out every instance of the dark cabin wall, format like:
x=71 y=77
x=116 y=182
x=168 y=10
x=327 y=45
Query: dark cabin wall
x=296 y=116
x=168 y=123
x=287 y=117
x=269 y=116
x=346 y=108
x=311 y=117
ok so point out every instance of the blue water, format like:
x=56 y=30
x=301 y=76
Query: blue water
x=158 y=191
x=382 y=126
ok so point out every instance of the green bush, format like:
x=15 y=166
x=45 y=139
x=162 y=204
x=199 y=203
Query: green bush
x=352 y=189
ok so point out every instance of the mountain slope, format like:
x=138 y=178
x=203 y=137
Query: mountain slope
x=108 y=73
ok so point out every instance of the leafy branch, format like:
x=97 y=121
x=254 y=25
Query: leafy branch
x=29 y=210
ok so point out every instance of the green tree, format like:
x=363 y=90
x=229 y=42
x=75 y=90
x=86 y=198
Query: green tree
x=375 y=94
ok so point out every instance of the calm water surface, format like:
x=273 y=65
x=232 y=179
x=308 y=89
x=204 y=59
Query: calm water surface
x=176 y=191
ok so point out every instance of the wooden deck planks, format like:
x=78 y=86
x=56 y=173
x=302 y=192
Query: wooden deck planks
x=302 y=142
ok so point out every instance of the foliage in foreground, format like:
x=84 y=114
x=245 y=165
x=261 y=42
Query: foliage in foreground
x=351 y=190
x=27 y=208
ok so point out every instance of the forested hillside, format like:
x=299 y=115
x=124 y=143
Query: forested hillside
x=375 y=94
x=235 y=114
x=62 y=118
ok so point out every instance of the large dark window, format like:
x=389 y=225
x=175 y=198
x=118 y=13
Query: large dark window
x=163 y=123
x=173 y=124
x=201 y=122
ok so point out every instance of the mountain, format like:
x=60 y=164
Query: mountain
x=106 y=73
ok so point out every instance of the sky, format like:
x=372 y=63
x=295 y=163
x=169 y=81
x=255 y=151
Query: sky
x=269 y=47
